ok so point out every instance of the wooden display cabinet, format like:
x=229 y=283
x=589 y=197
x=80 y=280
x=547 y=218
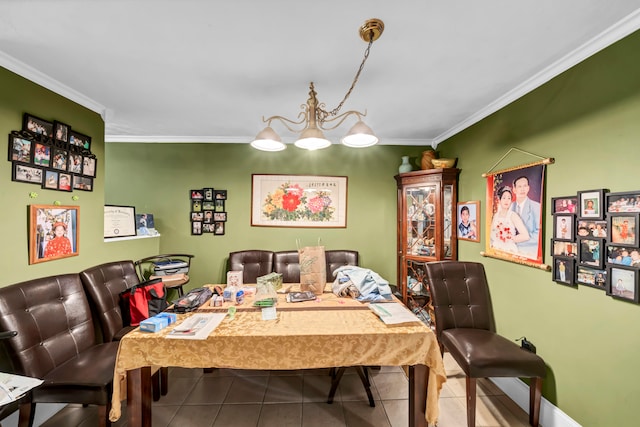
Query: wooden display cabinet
x=426 y=228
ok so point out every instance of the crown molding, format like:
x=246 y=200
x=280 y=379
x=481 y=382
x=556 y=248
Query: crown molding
x=606 y=38
x=30 y=73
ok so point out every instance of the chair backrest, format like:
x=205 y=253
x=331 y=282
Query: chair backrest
x=460 y=295
x=287 y=263
x=339 y=258
x=103 y=284
x=53 y=320
x=253 y=263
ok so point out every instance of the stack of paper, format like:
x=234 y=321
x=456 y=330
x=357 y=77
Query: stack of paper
x=12 y=387
x=393 y=313
x=197 y=327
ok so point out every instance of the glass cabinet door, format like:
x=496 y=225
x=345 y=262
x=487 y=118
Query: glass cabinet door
x=447 y=221
x=421 y=220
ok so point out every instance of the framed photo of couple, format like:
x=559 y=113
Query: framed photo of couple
x=468 y=220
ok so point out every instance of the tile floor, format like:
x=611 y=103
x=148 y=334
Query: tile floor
x=232 y=398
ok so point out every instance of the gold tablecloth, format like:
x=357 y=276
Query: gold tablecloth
x=295 y=340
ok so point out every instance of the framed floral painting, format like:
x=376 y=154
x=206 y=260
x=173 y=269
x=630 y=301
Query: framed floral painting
x=299 y=201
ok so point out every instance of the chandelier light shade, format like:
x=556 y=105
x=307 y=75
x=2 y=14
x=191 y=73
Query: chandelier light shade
x=315 y=119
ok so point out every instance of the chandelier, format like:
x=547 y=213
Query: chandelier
x=315 y=118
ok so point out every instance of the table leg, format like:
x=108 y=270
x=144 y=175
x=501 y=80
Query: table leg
x=139 y=397
x=418 y=382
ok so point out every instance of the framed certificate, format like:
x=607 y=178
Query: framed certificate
x=119 y=221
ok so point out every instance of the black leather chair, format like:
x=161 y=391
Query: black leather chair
x=103 y=285
x=339 y=258
x=287 y=263
x=56 y=342
x=465 y=327
x=253 y=263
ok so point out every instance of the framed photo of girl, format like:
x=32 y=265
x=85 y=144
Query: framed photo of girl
x=623 y=229
x=563 y=270
x=623 y=283
x=591 y=203
x=468 y=215
x=53 y=232
x=563 y=227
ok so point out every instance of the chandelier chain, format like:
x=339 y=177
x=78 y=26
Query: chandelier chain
x=322 y=114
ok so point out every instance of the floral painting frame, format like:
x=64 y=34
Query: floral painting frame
x=312 y=201
x=54 y=232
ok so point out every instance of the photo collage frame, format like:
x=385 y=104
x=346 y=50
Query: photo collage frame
x=51 y=155
x=595 y=242
x=208 y=212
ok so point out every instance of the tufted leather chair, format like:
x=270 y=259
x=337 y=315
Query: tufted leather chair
x=287 y=263
x=253 y=263
x=465 y=327
x=56 y=342
x=103 y=285
x=339 y=258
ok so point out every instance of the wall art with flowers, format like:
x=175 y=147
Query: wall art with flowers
x=299 y=201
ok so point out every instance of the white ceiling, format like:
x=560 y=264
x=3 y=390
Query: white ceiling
x=208 y=71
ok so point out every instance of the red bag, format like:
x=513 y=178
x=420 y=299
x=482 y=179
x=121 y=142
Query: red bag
x=142 y=301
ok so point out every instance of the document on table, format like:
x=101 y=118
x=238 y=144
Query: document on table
x=393 y=313
x=12 y=387
x=197 y=327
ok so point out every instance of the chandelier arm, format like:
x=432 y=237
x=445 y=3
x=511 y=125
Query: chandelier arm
x=284 y=121
x=341 y=118
x=322 y=115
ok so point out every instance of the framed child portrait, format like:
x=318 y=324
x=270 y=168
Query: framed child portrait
x=623 y=283
x=591 y=204
x=592 y=277
x=563 y=270
x=53 y=232
x=563 y=227
x=468 y=213
x=623 y=229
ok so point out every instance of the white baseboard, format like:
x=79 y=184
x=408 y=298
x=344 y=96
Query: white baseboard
x=518 y=391
x=44 y=411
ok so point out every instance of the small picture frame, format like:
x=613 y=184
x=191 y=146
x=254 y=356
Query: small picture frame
x=219 y=205
x=563 y=270
x=82 y=183
x=563 y=248
x=207 y=227
x=207 y=194
x=563 y=227
x=79 y=142
x=36 y=125
x=208 y=217
x=592 y=277
x=89 y=166
x=54 y=232
x=61 y=131
x=196 y=206
x=623 y=283
x=623 y=229
x=208 y=205
x=60 y=159
x=26 y=173
x=591 y=203
x=196 y=228
x=197 y=194
x=65 y=181
x=623 y=255
x=218 y=228
x=20 y=149
x=145 y=225
x=468 y=220
x=50 y=180
x=197 y=216
x=221 y=194
x=591 y=252
x=75 y=163
x=592 y=228
x=42 y=155
x=219 y=216
x=564 y=205
x=623 y=202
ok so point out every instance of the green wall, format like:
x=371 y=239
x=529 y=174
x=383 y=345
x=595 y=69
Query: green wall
x=588 y=120
x=18 y=96
x=156 y=178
